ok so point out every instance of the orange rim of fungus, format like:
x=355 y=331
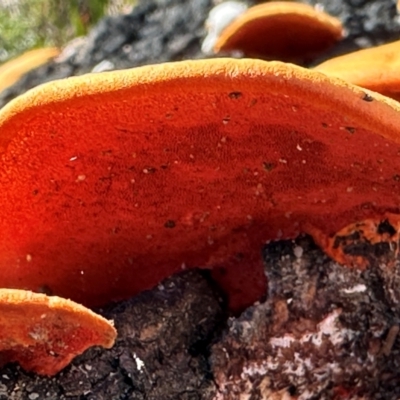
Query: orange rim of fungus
x=285 y=31
x=376 y=68
x=43 y=334
x=113 y=181
x=11 y=71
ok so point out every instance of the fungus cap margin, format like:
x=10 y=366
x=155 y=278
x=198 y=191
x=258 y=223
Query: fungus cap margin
x=279 y=12
x=189 y=76
x=374 y=68
x=12 y=70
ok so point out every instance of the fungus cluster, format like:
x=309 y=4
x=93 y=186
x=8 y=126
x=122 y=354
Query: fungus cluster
x=122 y=178
x=113 y=181
x=296 y=32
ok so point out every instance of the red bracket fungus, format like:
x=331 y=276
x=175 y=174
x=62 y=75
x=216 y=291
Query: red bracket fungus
x=43 y=334
x=12 y=70
x=376 y=68
x=280 y=30
x=113 y=181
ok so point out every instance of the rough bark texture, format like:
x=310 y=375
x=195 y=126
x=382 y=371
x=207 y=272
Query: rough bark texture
x=326 y=331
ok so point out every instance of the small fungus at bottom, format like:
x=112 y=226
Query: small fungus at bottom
x=279 y=30
x=375 y=68
x=43 y=334
x=114 y=181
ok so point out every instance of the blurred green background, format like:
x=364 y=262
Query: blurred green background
x=27 y=24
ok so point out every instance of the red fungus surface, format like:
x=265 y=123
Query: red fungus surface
x=285 y=31
x=111 y=182
x=43 y=334
x=376 y=68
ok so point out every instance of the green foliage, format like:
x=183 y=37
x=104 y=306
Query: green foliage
x=27 y=24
